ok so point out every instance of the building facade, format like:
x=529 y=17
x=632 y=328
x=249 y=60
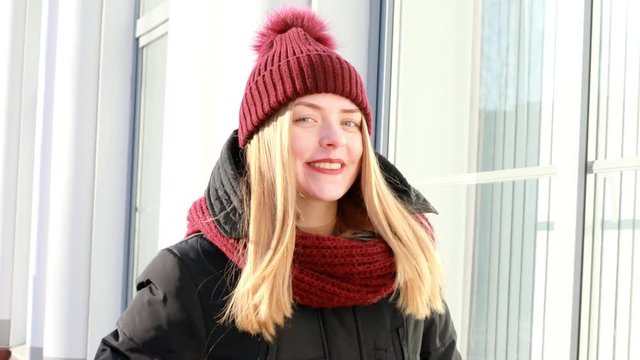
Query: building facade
x=518 y=119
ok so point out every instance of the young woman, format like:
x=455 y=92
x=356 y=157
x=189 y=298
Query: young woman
x=307 y=244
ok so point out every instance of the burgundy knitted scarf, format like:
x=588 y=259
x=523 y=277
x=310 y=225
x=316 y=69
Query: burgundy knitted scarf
x=328 y=271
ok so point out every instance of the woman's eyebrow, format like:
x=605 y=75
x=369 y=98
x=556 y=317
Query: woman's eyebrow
x=318 y=107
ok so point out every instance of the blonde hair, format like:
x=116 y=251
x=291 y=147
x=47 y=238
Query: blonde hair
x=418 y=267
x=263 y=297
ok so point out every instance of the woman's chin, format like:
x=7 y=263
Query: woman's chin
x=325 y=196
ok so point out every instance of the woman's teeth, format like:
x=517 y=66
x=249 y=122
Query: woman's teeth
x=326 y=165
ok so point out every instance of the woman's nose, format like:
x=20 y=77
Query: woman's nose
x=331 y=135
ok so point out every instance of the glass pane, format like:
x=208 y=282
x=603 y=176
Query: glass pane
x=149 y=152
x=509 y=257
x=611 y=267
x=493 y=241
x=437 y=122
x=460 y=112
x=511 y=85
x=612 y=258
x=615 y=74
x=432 y=117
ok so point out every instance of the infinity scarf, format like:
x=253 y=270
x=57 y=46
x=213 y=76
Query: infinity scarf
x=328 y=271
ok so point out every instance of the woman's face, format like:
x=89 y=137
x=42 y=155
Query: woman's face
x=326 y=141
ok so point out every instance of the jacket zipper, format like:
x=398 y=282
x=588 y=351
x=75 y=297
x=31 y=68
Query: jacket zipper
x=359 y=332
x=325 y=343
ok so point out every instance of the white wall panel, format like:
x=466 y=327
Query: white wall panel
x=72 y=178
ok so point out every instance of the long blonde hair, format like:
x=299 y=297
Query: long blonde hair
x=263 y=297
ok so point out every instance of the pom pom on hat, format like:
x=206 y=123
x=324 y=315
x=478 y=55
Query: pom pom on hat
x=296 y=57
x=283 y=20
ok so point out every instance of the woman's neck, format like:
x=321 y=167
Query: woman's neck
x=317 y=217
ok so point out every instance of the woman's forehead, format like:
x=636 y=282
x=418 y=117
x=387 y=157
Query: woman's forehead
x=326 y=101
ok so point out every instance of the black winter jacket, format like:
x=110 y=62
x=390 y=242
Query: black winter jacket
x=182 y=292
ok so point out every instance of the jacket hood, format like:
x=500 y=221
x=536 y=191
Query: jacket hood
x=225 y=199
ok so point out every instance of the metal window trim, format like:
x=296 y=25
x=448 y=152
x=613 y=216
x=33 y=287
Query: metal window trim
x=380 y=46
x=613 y=165
x=485 y=177
x=129 y=282
x=392 y=87
x=582 y=182
x=153 y=35
x=153 y=19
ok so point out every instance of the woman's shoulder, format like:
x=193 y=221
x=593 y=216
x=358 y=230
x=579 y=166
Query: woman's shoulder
x=178 y=296
x=196 y=261
x=198 y=255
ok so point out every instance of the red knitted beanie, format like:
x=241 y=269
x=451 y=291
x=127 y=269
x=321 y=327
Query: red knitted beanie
x=296 y=57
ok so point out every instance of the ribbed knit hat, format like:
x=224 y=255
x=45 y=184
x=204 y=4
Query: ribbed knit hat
x=296 y=57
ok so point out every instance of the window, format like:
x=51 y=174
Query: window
x=485 y=120
x=611 y=272
x=151 y=30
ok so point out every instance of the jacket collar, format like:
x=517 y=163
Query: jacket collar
x=225 y=199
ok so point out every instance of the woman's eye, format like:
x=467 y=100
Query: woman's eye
x=303 y=120
x=349 y=123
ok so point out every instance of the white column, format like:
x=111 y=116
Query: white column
x=24 y=186
x=41 y=176
x=72 y=178
x=12 y=24
x=113 y=170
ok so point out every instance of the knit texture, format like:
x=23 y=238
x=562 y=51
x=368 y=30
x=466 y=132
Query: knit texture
x=296 y=57
x=328 y=271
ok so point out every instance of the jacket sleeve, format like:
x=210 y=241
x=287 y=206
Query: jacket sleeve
x=439 y=338
x=165 y=319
